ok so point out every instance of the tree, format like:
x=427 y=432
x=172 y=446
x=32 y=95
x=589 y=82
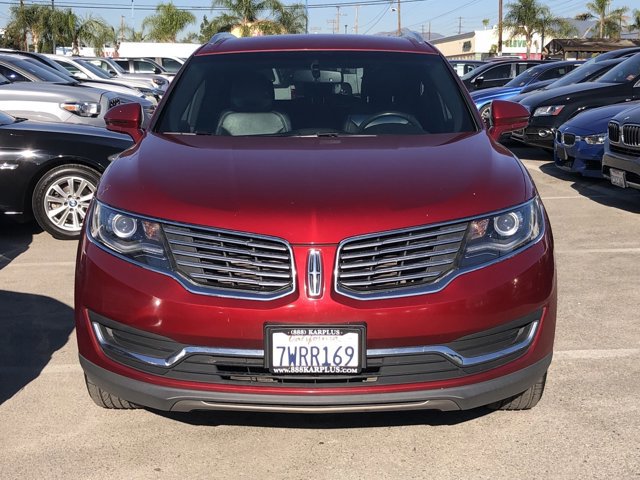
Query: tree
x=609 y=21
x=257 y=17
x=34 y=20
x=485 y=22
x=528 y=17
x=167 y=22
x=636 y=22
x=74 y=30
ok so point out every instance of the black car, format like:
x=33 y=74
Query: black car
x=552 y=108
x=51 y=170
x=621 y=160
x=587 y=72
x=496 y=73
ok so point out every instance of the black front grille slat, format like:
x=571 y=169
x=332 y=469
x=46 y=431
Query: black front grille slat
x=232 y=261
x=393 y=261
x=631 y=135
x=613 y=131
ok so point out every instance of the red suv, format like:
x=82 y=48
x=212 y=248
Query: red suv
x=316 y=224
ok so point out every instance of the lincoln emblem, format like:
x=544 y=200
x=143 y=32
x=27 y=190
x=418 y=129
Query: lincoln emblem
x=314 y=274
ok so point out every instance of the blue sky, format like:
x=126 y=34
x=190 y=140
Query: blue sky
x=446 y=17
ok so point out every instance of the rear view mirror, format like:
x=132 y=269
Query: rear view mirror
x=317 y=76
x=507 y=117
x=127 y=119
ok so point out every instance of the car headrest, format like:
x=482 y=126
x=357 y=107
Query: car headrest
x=252 y=94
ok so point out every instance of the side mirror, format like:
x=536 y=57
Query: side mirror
x=507 y=117
x=113 y=73
x=157 y=71
x=477 y=81
x=127 y=119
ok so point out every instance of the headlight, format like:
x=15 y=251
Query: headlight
x=499 y=235
x=138 y=239
x=84 y=109
x=597 y=139
x=548 y=111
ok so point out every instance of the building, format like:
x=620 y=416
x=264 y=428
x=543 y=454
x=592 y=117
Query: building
x=481 y=44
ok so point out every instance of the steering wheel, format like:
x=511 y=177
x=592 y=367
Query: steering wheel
x=369 y=122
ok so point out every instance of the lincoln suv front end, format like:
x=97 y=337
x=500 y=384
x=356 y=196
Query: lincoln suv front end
x=316 y=224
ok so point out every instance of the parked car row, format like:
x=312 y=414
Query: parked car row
x=589 y=117
x=53 y=144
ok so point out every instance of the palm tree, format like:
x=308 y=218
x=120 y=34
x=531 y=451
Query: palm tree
x=528 y=17
x=636 y=22
x=609 y=21
x=292 y=18
x=31 y=19
x=247 y=17
x=75 y=30
x=167 y=22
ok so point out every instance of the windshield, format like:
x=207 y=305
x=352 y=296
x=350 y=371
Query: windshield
x=580 y=74
x=525 y=77
x=41 y=72
x=97 y=71
x=316 y=93
x=626 y=71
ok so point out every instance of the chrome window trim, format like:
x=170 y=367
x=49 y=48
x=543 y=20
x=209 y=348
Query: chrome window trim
x=186 y=283
x=446 y=279
x=447 y=352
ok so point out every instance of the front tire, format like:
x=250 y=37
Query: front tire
x=61 y=199
x=525 y=400
x=104 y=399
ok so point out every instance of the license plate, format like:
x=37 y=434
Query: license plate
x=562 y=153
x=322 y=350
x=618 y=178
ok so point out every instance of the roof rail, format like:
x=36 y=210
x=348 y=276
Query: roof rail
x=221 y=37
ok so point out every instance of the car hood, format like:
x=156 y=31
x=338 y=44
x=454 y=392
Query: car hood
x=49 y=91
x=632 y=113
x=315 y=190
x=67 y=128
x=596 y=120
x=562 y=94
x=489 y=94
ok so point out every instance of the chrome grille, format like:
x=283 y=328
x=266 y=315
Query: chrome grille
x=243 y=263
x=398 y=260
x=614 y=132
x=631 y=135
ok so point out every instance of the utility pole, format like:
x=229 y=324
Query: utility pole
x=399 y=20
x=306 y=16
x=53 y=35
x=499 y=27
x=355 y=28
x=121 y=28
x=429 y=34
x=338 y=19
x=334 y=25
x=459 y=25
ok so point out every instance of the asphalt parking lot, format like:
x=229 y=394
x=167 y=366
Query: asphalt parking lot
x=586 y=426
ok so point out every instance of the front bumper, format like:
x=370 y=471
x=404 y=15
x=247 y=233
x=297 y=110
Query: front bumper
x=579 y=157
x=628 y=162
x=463 y=397
x=473 y=303
x=542 y=136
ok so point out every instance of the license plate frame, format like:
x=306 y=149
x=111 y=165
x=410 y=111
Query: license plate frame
x=318 y=336
x=618 y=177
